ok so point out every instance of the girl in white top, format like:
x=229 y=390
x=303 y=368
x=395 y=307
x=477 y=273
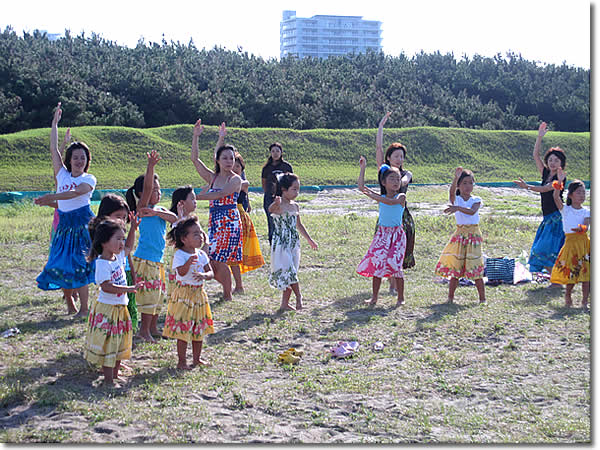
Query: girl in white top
x=189 y=317
x=67 y=267
x=573 y=263
x=462 y=255
x=109 y=332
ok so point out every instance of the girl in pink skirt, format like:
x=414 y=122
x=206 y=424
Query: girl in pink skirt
x=386 y=254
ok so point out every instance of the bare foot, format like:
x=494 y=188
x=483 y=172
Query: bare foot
x=482 y=301
x=400 y=302
x=568 y=302
x=238 y=291
x=450 y=300
x=147 y=338
x=299 y=304
x=183 y=366
x=82 y=313
x=371 y=303
x=200 y=363
x=156 y=333
x=287 y=307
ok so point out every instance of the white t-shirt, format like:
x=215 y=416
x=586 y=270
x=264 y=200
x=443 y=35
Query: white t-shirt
x=65 y=182
x=466 y=219
x=113 y=271
x=572 y=217
x=180 y=258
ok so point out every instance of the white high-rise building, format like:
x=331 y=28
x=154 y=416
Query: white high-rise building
x=323 y=36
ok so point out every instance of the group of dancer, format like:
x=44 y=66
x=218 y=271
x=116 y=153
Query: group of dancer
x=133 y=283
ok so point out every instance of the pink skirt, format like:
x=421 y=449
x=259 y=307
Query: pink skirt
x=385 y=255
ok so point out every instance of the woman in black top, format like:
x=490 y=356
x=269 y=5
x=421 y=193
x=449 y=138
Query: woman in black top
x=550 y=236
x=274 y=165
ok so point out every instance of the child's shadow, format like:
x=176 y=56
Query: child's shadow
x=440 y=310
x=542 y=295
x=562 y=312
x=357 y=311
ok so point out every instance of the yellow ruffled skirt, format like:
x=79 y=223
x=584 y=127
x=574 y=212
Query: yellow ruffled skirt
x=461 y=258
x=189 y=317
x=573 y=262
x=109 y=334
x=252 y=257
x=149 y=298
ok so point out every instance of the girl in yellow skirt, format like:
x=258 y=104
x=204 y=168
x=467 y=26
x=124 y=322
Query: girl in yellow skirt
x=147 y=260
x=573 y=263
x=189 y=317
x=461 y=258
x=108 y=337
x=252 y=257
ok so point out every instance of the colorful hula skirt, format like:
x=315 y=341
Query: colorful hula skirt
x=548 y=241
x=131 y=305
x=385 y=254
x=252 y=257
x=67 y=266
x=109 y=334
x=189 y=317
x=462 y=258
x=225 y=234
x=149 y=299
x=573 y=262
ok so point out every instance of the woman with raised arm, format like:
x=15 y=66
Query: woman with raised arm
x=550 y=236
x=395 y=157
x=224 y=230
x=67 y=267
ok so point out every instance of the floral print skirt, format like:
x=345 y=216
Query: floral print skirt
x=385 y=255
x=252 y=257
x=573 y=262
x=149 y=299
x=109 y=334
x=462 y=258
x=189 y=317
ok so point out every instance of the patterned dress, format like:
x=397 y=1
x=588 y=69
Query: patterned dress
x=224 y=230
x=285 y=251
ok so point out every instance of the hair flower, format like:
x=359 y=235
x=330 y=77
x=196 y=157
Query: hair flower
x=384 y=168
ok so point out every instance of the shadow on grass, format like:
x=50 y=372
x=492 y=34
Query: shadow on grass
x=253 y=320
x=562 y=312
x=542 y=295
x=441 y=310
x=53 y=323
x=357 y=312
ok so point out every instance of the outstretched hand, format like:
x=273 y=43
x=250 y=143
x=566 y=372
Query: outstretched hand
x=451 y=209
x=362 y=162
x=457 y=172
x=561 y=175
x=134 y=219
x=385 y=118
x=198 y=128
x=543 y=129
x=521 y=183
x=222 y=130
x=180 y=209
x=57 y=114
x=153 y=158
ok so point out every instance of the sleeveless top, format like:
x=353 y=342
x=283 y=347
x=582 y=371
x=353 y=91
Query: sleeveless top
x=547 y=198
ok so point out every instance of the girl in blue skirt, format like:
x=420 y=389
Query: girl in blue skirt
x=67 y=267
x=550 y=236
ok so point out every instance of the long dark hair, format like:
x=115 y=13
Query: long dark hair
x=284 y=181
x=391 y=149
x=270 y=159
x=108 y=205
x=179 y=231
x=179 y=194
x=104 y=231
x=134 y=193
x=220 y=150
x=559 y=153
x=384 y=171
x=573 y=186
x=69 y=155
x=465 y=173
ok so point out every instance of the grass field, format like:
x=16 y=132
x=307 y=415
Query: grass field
x=319 y=157
x=515 y=370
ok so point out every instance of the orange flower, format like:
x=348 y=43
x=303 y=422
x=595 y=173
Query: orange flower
x=558 y=185
x=581 y=229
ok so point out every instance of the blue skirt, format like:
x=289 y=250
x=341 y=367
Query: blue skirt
x=67 y=267
x=548 y=241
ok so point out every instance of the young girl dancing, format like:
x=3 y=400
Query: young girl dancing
x=462 y=255
x=549 y=237
x=189 y=317
x=67 y=267
x=148 y=257
x=252 y=257
x=386 y=253
x=108 y=337
x=285 y=247
x=224 y=231
x=573 y=262
x=115 y=207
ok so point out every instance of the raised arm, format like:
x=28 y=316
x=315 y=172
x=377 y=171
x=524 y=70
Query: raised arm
x=153 y=159
x=542 y=130
x=134 y=222
x=221 y=140
x=560 y=174
x=452 y=192
x=362 y=162
x=57 y=162
x=379 y=157
x=201 y=168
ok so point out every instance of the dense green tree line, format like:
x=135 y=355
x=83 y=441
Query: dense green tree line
x=155 y=84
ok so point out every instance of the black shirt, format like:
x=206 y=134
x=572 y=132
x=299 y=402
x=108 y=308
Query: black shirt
x=548 y=205
x=269 y=172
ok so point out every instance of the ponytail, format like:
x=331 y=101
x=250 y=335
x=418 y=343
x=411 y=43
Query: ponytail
x=103 y=230
x=134 y=193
